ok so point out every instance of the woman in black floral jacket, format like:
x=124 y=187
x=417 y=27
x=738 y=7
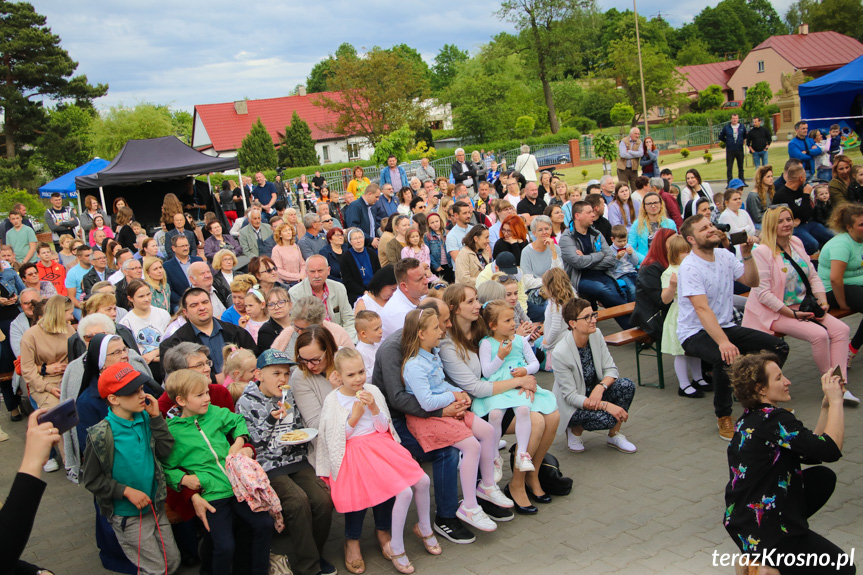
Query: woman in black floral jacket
x=769 y=499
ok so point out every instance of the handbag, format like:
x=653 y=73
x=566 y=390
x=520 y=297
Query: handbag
x=551 y=479
x=809 y=303
x=279 y=565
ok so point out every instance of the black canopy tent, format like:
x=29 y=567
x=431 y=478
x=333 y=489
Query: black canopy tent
x=146 y=170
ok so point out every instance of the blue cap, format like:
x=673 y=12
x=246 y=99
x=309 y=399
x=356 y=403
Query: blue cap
x=274 y=357
x=736 y=184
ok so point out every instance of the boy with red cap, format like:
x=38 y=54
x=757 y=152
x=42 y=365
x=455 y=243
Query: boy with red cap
x=121 y=468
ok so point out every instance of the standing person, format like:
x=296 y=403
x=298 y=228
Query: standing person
x=802 y=147
x=464 y=171
x=51 y=270
x=91 y=210
x=361 y=213
x=401 y=224
x=394 y=175
x=797 y=195
x=526 y=164
x=22 y=238
x=761 y=195
x=61 y=221
x=706 y=327
x=629 y=154
x=435 y=239
x=649 y=159
x=265 y=192
x=125 y=236
x=733 y=135
x=769 y=498
x=11 y=287
x=758 y=140
x=358 y=183
x=318 y=182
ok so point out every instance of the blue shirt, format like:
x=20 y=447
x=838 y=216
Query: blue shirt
x=73 y=280
x=134 y=464
x=455 y=238
x=215 y=342
x=231 y=315
x=423 y=376
x=390 y=206
x=265 y=193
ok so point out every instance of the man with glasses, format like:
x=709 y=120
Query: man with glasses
x=313 y=241
x=200 y=276
x=132 y=270
x=203 y=329
x=331 y=293
x=177 y=269
x=99 y=272
x=328 y=221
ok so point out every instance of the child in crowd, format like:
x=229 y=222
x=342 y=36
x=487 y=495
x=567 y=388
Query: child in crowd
x=240 y=365
x=204 y=436
x=678 y=248
x=416 y=248
x=122 y=470
x=855 y=188
x=557 y=289
x=503 y=355
x=574 y=196
x=357 y=446
x=50 y=270
x=823 y=208
x=369 y=333
x=99 y=225
x=627 y=261
x=834 y=142
x=523 y=325
x=256 y=312
x=422 y=373
x=719 y=201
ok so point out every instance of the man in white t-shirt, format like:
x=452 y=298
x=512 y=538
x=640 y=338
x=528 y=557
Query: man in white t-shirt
x=706 y=327
x=455 y=237
x=412 y=288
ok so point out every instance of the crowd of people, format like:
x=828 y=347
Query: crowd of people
x=297 y=359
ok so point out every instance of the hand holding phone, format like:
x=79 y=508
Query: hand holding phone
x=837 y=372
x=63 y=416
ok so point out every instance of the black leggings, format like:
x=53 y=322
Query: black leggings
x=854 y=300
x=818 y=485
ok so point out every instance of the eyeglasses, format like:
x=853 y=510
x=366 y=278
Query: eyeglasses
x=314 y=361
x=589 y=318
x=277 y=304
x=206 y=363
x=120 y=351
x=649 y=204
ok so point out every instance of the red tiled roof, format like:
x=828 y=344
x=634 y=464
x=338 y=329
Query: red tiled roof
x=227 y=129
x=816 y=50
x=700 y=76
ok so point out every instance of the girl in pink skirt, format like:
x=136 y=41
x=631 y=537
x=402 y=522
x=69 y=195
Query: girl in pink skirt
x=423 y=377
x=365 y=465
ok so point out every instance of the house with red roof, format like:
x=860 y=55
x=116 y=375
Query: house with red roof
x=219 y=129
x=698 y=77
x=814 y=54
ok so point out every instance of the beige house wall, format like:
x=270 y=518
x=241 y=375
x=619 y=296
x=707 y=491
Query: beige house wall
x=747 y=75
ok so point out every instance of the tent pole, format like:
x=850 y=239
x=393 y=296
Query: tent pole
x=243 y=191
x=80 y=209
x=102 y=196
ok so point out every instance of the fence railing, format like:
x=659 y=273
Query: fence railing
x=670 y=138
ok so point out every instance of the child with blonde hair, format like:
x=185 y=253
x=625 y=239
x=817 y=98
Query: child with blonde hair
x=558 y=290
x=416 y=248
x=503 y=355
x=256 y=313
x=239 y=369
x=678 y=248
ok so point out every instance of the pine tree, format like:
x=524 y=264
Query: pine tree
x=298 y=147
x=257 y=152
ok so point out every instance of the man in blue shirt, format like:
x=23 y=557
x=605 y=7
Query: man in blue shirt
x=804 y=148
x=394 y=174
x=314 y=241
x=265 y=192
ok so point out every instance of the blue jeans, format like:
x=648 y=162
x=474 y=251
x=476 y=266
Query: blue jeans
x=627 y=283
x=825 y=174
x=383 y=513
x=597 y=286
x=444 y=470
x=813 y=235
x=222 y=532
x=759 y=158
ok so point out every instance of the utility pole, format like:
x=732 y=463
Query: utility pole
x=641 y=71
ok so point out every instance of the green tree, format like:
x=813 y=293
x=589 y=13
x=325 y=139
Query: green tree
x=298 y=148
x=621 y=115
x=843 y=16
x=693 y=52
x=396 y=143
x=711 y=98
x=736 y=26
x=661 y=78
x=414 y=59
x=182 y=122
x=323 y=70
x=757 y=99
x=445 y=64
x=257 y=152
x=67 y=141
x=381 y=90
x=120 y=124
x=34 y=69
x=605 y=147
x=524 y=126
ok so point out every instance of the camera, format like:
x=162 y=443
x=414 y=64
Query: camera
x=722 y=227
x=279 y=171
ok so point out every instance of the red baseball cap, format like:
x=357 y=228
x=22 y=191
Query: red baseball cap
x=120 y=379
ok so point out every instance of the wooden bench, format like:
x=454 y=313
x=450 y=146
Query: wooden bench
x=4 y=377
x=643 y=342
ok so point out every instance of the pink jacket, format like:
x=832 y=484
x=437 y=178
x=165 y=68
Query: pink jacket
x=252 y=485
x=765 y=301
x=289 y=263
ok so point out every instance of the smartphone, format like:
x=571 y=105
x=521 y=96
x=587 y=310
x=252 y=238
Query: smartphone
x=64 y=416
x=738 y=238
x=838 y=373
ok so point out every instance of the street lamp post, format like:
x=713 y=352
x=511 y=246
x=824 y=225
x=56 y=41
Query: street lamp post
x=640 y=70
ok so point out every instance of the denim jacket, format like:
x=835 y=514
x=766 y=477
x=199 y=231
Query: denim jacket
x=11 y=281
x=435 y=243
x=424 y=379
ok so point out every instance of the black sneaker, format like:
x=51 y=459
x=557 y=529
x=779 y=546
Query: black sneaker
x=328 y=568
x=496 y=513
x=453 y=529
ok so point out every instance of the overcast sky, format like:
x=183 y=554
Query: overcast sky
x=201 y=52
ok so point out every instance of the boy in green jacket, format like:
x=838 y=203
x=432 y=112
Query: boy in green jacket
x=121 y=469
x=198 y=462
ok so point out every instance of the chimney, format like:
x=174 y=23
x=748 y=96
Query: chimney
x=241 y=107
x=803 y=29
x=301 y=90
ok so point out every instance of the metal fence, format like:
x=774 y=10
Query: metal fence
x=669 y=138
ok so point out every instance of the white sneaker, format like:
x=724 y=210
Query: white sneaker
x=498 y=469
x=574 y=442
x=50 y=466
x=4 y=436
x=501 y=444
x=850 y=400
x=524 y=463
x=620 y=443
x=494 y=495
x=475 y=518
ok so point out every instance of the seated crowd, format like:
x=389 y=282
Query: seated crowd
x=261 y=359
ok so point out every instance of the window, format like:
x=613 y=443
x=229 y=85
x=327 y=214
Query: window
x=325 y=150
x=353 y=151
x=760 y=65
x=661 y=112
x=745 y=89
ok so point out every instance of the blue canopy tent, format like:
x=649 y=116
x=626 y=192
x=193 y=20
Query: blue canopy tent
x=831 y=98
x=65 y=184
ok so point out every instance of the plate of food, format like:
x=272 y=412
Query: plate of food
x=298 y=436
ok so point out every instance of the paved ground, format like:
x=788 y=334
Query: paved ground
x=656 y=511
